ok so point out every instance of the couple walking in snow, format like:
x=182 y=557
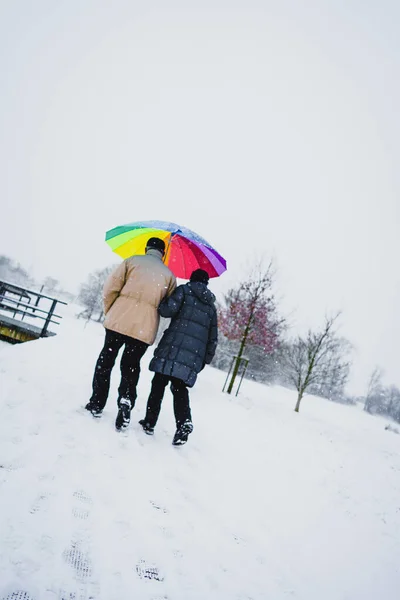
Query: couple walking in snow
x=136 y=294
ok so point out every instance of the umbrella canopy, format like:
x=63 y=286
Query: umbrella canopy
x=185 y=249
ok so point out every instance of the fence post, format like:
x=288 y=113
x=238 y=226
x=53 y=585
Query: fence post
x=47 y=322
x=38 y=298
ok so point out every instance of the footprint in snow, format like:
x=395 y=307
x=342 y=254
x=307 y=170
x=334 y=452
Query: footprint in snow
x=167 y=533
x=79 y=560
x=82 y=496
x=80 y=513
x=80 y=594
x=17 y=595
x=38 y=504
x=148 y=571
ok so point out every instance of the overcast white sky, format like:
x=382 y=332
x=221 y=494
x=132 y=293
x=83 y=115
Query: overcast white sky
x=269 y=127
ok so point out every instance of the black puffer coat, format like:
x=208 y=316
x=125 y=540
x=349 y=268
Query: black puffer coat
x=192 y=336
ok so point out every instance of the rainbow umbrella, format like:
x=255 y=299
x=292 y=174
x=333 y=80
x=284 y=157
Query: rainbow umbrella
x=185 y=249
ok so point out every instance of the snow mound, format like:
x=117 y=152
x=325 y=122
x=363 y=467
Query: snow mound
x=262 y=503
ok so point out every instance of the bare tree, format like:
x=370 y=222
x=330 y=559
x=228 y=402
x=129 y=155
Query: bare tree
x=50 y=285
x=374 y=386
x=307 y=359
x=91 y=294
x=393 y=407
x=334 y=372
x=249 y=315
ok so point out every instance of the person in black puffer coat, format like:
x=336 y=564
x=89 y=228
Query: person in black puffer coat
x=186 y=347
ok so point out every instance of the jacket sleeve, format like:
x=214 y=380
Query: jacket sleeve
x=171 y=305
x=113 y=285
x=172 y=286
x=212 y=339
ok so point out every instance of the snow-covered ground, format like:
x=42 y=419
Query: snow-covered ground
x=262 y=503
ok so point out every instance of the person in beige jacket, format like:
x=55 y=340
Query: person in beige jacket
x=132 y=294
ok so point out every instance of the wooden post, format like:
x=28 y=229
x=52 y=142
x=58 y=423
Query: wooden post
x=229 y=372
x=245 y=365
x=241 y=349
x=238 y=359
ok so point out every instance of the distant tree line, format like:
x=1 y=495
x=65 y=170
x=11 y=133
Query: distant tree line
x=12 y=272
x=381 y=399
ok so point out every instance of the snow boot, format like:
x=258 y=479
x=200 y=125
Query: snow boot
x=147 y=428
x=96 y=412
x=182 y=433
x=124 y=414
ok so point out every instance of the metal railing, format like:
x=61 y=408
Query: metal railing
x=27 y=305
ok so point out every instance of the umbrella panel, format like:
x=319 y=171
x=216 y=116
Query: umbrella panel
x=137 y=245
x=123 y=238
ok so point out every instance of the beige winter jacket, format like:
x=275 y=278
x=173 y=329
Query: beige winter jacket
x=132 y=294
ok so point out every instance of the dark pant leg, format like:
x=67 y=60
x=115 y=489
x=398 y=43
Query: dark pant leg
x=104 y=365
x=158 y=386
x=180 y=393
x=130 y=368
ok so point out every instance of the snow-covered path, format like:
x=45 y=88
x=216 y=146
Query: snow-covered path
x=262 y=503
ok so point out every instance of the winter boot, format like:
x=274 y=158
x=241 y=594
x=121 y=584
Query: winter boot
x=147 y=428
x=182 y=433
x=96 y=412
x=124 y=414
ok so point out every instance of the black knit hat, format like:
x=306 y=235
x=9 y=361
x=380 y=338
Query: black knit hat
x=200 y=275
x=157 y=244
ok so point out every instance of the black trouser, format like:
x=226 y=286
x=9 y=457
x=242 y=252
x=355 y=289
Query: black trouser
x=130 y=368
x=181 y=399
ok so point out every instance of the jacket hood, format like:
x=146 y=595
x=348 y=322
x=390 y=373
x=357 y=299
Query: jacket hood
x=201 y=291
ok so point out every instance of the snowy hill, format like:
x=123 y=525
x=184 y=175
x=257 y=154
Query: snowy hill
x=262 y=503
